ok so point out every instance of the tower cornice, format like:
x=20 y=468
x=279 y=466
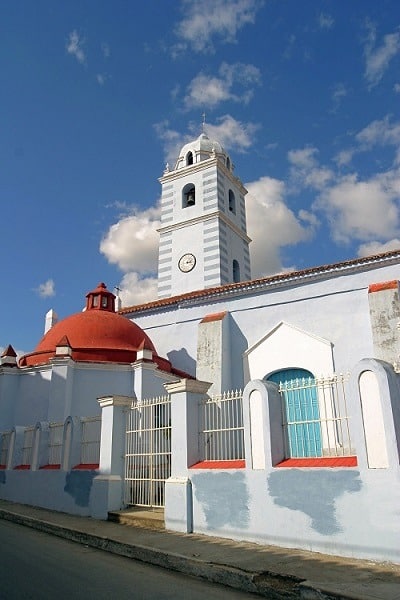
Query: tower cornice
x=217 y=214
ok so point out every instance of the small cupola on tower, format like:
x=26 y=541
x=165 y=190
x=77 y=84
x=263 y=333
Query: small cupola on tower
x=100 y=299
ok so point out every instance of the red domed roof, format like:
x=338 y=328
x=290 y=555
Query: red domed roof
x=96 y=334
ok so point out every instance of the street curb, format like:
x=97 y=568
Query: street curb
x=271 y=585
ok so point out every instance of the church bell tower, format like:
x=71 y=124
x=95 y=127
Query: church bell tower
x=203 y=238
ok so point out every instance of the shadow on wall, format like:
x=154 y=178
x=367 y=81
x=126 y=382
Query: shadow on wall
x=314 y=494
x=239 y=346
x=224 y=498
x=78 y=485
x=180 y=359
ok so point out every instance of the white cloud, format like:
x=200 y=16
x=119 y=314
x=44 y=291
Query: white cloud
x=101 y=78
x=377 y=58
x=46 y=289
x=371 y=248
x=206 y=20
x=208 y=91
x=106 y=50
x=362 y=210
x=75 y=45
x=272 y=225
x=339 y=92
x=232 y=134
x=326 y=21
x=305 y=170
x=344 y=157
x=137 y=290
x=396 y=88
x=381 y=131
x=132 y=242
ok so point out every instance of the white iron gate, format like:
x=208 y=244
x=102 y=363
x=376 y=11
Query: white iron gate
x=148 y=452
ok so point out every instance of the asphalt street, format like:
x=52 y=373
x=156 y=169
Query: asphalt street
x=38 y=566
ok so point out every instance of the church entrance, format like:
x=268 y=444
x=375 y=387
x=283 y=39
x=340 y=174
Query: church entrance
x=148 y=452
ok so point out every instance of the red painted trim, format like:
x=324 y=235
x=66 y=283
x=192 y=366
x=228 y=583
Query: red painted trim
x=22 y=467
x=219 y=464
x=86 y=467
x=342 y=461
x=386 y=285
x=2 y=467
x=51 y=467
x=214 y=317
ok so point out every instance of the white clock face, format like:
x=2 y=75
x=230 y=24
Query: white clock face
x=187 y=262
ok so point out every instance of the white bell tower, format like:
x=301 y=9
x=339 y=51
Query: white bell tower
x=203 y=238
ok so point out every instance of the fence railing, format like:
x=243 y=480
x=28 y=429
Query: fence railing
x=5 y=445
x=27 y=447
x=148 y=451
x=221 y=427
x=90 y=440
x=315 y=417
x=56 y=431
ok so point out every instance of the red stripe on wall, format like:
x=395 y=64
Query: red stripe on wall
x=343 y=461
x=219 y=464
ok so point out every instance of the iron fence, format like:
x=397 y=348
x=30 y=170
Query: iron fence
x=148 y=451
x=221 y=427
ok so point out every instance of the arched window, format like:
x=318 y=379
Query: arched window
x=232 y=202
x=188 y=195
x=189 y=158
x=301 y=409
x=236 y=271
x=228 y=162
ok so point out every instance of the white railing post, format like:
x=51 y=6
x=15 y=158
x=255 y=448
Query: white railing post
x=185 y=397
x=107 y=491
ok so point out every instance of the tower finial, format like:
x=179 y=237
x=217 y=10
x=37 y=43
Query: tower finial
x=204 y=121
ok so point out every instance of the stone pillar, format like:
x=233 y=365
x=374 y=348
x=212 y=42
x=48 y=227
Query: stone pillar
x=108 y=486
x=15 y=452
x=40 y=450
x=214 y=352
x=185 y=396
x=384 y=308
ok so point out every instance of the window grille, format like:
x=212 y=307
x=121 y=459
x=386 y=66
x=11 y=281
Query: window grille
x=222 y=431
x=90 y=441
x=315 y=417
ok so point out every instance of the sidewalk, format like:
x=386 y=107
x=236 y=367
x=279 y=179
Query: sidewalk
x=270 y=571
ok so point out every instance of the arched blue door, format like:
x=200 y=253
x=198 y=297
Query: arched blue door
x=302 y=411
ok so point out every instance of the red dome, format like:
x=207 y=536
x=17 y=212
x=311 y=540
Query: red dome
x=97 y=334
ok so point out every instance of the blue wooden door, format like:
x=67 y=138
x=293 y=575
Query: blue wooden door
x=301 y=411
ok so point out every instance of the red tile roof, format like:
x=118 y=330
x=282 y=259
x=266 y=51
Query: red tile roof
x=280 y=278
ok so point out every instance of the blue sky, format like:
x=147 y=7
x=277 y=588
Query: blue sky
x=97 y=96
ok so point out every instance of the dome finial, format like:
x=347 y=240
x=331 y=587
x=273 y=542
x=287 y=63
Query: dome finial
x=203 y=125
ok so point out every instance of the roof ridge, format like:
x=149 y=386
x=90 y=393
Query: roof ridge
x=270 y=279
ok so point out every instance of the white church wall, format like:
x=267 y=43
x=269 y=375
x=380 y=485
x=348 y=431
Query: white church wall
x=31 y=402
x=342 y=511
x=288 y=347
x=335 y=309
